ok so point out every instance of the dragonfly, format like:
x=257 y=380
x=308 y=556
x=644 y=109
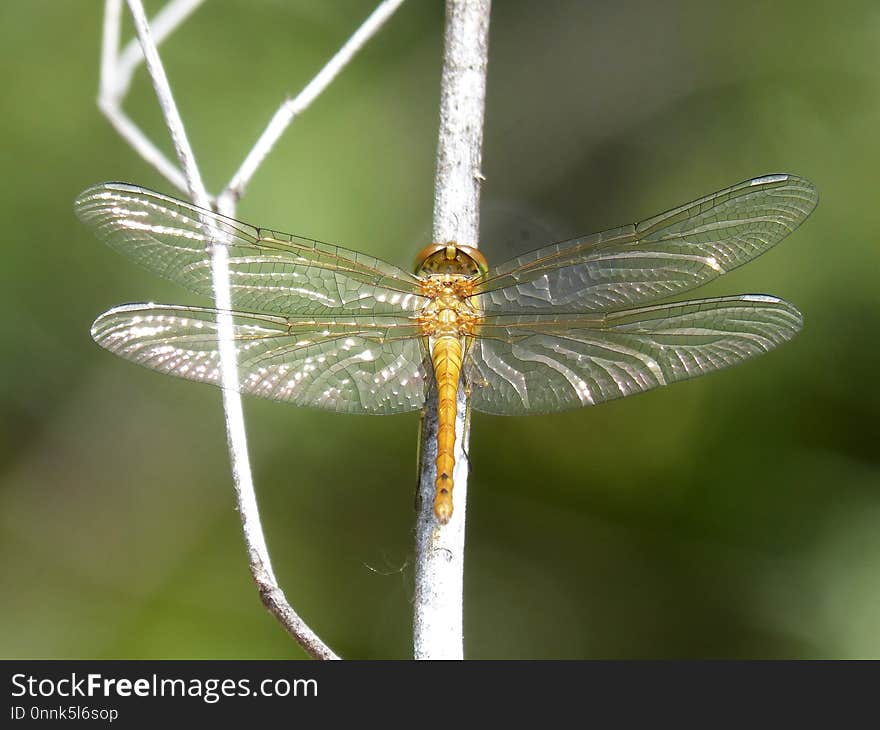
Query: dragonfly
x=568 y=325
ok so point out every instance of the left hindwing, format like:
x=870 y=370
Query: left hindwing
x=359 y=364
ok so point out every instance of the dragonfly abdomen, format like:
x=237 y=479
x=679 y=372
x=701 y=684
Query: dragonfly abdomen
x=446 y=355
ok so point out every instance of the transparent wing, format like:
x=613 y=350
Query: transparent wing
x=671 y=253
x=269 y=271
x=362 y=364
x=540 y=364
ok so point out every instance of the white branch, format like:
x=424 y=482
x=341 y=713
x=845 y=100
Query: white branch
x=437 y=624
x=112 y=89
x=110 y=45
x=167 y=20
x=169 y=109
x=258 y=554
x=117 y=69
x=292 y=108
x=131 y=133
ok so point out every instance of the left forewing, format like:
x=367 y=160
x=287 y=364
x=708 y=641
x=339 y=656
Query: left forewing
x=542 y=364
x=355 y=364
x=269 y=271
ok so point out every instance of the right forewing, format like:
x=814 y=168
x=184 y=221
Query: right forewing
x=662 y=256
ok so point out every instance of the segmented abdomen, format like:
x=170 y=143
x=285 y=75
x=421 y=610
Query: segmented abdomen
x=446 y=356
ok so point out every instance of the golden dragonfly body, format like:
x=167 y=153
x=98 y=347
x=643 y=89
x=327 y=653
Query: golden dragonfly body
x=568 y=325
x=449 y=323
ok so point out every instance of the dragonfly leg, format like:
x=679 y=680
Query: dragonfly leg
x=417 y=497
x=465 y=448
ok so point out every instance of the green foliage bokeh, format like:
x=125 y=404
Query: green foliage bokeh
x=737 y=515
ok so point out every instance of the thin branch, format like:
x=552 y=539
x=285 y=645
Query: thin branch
x=437 y=624
x=167 y=20
x=131 y=133
x=291 y=108
x=258 y=554
x=110 y=45
x=109 y=100
x=173 y=122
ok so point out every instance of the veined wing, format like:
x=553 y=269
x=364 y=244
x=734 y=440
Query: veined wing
x=354 y=364
x=269 y=271
x=541 y=364
x=665 y=255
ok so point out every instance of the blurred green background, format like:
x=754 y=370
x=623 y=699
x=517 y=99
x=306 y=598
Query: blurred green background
x=737 y=515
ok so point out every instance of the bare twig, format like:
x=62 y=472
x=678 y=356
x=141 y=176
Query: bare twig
x=117 y=69
x=291 y=108
x=110 y=45
x=437 y=625
x=167 y=20
x=173 y=122
x=258 y=554
x=131 y=133
x=110 y=98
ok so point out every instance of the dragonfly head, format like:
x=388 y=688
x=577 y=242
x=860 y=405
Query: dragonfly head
x=450 y=258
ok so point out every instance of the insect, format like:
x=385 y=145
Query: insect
x=568 y=325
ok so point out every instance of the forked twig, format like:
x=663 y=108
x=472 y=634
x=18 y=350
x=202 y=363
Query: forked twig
x=165 y=22
x=439 y=569
x=291 y=108
x=236 y=437
x=437 y=621
x=110 y=97
x=116 y=72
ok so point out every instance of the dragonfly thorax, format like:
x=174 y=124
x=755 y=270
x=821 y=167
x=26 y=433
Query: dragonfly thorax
x=450 y=310
x=448 y=273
